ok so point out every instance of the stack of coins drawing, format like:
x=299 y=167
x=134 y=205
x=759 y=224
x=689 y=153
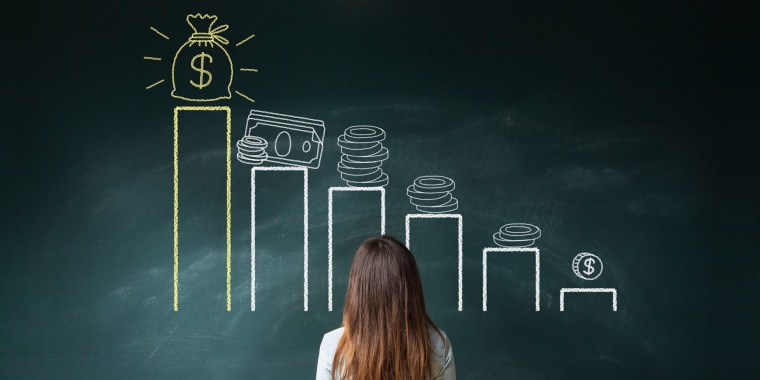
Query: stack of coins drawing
x=251 y=150
x=362 y=156
x=431 y=194
x=517 y=235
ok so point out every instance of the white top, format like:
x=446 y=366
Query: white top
x=441 y=356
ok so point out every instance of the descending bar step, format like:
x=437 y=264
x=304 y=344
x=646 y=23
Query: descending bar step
x=332 y=190
x=305 y=230
x=562 y=292
x=458 y=218
x=202 y=129
x=535 y=251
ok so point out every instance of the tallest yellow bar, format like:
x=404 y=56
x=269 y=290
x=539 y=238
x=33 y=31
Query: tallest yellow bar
x=228 y=197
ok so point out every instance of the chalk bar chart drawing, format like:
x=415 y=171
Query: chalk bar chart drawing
x=458 y=218
x=202 y=69
x=305 y=229
x=282 y=139
x=533 y=250
x=517 y=235
x=228 y=188
x=330 y=193
x=252 y=150
x=362 y=156
x=205 y=55
x=431 y=194
x=612 y=291
x=592 y=266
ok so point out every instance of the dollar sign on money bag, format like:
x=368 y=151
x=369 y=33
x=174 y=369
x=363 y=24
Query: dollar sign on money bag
x=589 y=263
x=202 y=68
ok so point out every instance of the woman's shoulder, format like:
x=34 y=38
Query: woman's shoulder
x=439 y=341
x=335 y=333
x=327 y=352
x=442 y=358
x=330 y=343
x=437 y=335
x=330 y=340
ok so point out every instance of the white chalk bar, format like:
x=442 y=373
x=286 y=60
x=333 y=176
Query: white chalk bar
x=532 y=250
x=305 y=229
x=458 y=218
x=562 y=292
x=330 y=192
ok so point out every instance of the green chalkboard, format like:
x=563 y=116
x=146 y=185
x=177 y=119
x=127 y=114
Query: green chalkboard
x=147 y=232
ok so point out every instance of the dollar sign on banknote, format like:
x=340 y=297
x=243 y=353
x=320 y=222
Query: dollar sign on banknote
x=200 y=69
x=592 y=266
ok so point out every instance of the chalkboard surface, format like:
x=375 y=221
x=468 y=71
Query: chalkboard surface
x=620 y=131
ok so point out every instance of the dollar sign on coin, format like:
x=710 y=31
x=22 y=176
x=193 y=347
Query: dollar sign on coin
x=592 y=263
x=589 y=263
x=200 y=69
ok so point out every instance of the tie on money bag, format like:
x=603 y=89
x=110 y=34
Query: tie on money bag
x=202 y=68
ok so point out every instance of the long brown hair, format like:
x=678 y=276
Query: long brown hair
x=385 y=323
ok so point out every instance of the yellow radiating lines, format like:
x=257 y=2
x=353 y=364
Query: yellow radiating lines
x=247 y=69
x=244 y=96
x=228 y=196
x=152 y=58
x=159 y=33
x=154 y=84
x=245 y=40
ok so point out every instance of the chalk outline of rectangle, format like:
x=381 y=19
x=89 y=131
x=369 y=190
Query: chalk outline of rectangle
x=228 y=110
x=330 y=231
x=512 y=249
x=459 y=237
x=562 y=292
x=284 y=121
x=305 y=229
